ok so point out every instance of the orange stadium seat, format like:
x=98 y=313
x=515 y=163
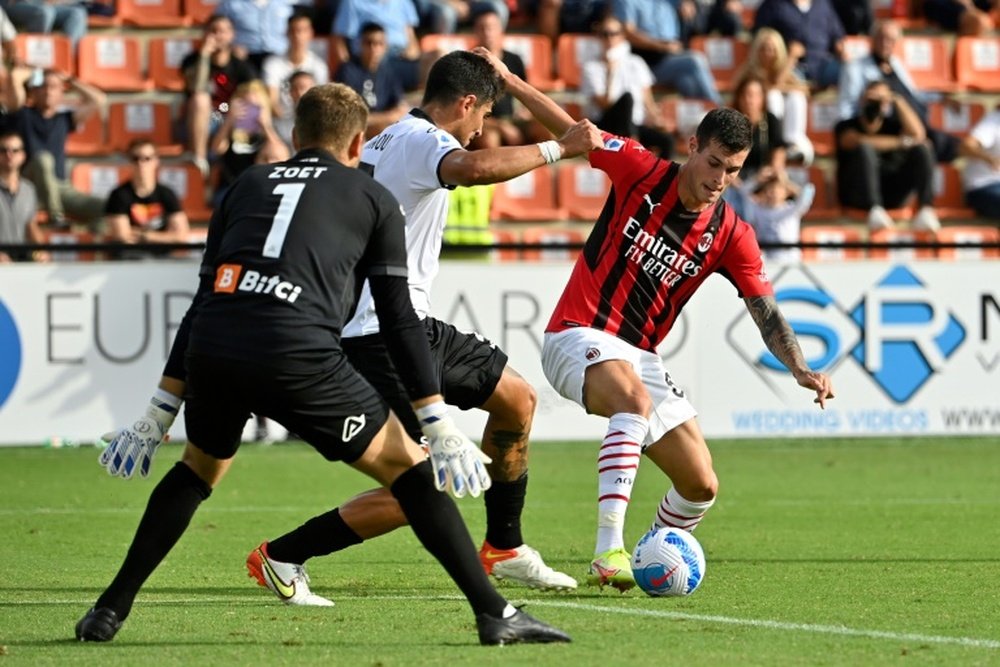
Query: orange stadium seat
x=977 y=63
x=824 y=205
x=895 y=236
x=544 y=235
x=446 y=43
x=98 y=179
x=88 y=139
x=45 y=51
x=152 y=13
x=582 y=190
x=132 y=120
x=165 y=56
x=505 y=236
x=186 y=181
x=928 y=59
x=968 y=234
x=571 y=52
x=112 y=63
x=531 y=196
x=955 y=118
x=831 y=234
x=822 y=119
x=200 y=10
x=536 y=52
x=684 y=114
x=726 y=56
x=949 y=200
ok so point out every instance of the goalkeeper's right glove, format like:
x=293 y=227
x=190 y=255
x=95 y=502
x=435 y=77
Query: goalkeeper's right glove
x=459 y=465
x=132 y=448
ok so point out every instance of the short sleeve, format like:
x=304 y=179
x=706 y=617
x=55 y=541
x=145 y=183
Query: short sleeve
x=169 y=200
x=621 y=158
x=271 y=71
x=987 y=131
x=425 y=151
x=743 y=265
x=118 y=202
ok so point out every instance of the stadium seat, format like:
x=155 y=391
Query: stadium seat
x=45 y=51
x=901 y=235
x=726 y=56
x=186 y=181
x=88 y=139
x=856 y=46
x=968 y=234
x=98 y=179
x=928 y=59
x=71 y=239
x=165 y=56
x=977 y=63
x=446 y=43
x=152 y=13
x=132 y=120
x=545 y=235
x=505 y=236
x=536 y=52
x=582 y=190
x=949 y=199
x=112 y=63
x=200 y=10
x=901 y=13
x=572 y=51
x=684 y=114
x=955 y=118
x=831 y=234
x=821 y=120
x=824 y=205
x=531 y=196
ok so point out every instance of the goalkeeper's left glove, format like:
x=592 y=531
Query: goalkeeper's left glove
x=132 y=448
x=459 y=465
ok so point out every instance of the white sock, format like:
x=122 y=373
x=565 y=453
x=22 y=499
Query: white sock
x=617 y=464
x=508 y=611
x=679 y=512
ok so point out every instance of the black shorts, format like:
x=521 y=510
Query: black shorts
x=468 y=368
x=334 y=409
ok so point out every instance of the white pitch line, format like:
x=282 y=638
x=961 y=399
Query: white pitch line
x=840 y=630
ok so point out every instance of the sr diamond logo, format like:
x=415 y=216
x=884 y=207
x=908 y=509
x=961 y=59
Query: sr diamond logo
x=907 y=336
x=896 y=331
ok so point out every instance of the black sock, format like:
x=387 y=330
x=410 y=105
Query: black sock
x=168 y=512
x=435 y=519
x=504 y=504
x=318 y=536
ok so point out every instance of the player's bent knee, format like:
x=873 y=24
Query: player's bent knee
x=701 y=489
x=208 y=468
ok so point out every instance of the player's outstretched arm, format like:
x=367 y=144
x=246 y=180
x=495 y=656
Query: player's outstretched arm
x=781 y=341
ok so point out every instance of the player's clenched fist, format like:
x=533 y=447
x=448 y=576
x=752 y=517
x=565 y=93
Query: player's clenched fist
x=580 y=139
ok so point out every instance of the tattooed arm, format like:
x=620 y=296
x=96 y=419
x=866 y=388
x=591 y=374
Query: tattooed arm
x=781 y=341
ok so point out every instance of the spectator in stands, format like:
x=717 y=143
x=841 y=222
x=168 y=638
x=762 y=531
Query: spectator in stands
x=964 y=17
x=702 y=17
x=399 y=18
x=7 y=36
x=36 y=112
x=768 y=147
x=374 y=79
x=616 y=88
x=298 y=84
x=211 y=74
x=44 y=16
x=813 y=33
x=774 y=206
x=787 y=93
x=142 y=210
x=246 y=136
x=18 y=201
x=881 y=65
x=883 y=157
x=443 y=17
x=506 y=125
x=856 y=16
x=555 y=17
x=277 y=70
x=260 y=27
x=653 y=29
x=981 y=178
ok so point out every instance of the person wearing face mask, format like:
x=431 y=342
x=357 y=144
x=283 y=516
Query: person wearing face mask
x=617 y=89
x=883 y=157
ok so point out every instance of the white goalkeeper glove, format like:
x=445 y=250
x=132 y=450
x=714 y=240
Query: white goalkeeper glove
x=132 y=448
x=459 y=465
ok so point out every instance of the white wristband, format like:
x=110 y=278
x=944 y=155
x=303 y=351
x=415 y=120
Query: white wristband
x=550 y=151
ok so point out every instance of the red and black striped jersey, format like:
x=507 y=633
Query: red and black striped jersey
x=647 y=254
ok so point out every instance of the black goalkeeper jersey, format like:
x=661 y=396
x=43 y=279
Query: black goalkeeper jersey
x=287 y=253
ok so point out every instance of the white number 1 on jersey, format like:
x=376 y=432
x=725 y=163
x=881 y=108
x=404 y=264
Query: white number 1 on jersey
x=290 y=194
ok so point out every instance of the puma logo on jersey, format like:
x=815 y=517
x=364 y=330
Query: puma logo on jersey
x=352 y=426
x=649 y=200
x=228 y=280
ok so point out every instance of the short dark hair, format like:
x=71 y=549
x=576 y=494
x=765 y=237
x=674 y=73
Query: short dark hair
x=138 y=142
x=330 y=115
x=298 y=74
x=370 y=26
x=215 y=18
x=299 y=15
x=728 y=127
x=7 y=134
x=462 y=73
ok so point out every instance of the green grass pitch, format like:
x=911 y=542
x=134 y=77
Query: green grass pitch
x=820 y=552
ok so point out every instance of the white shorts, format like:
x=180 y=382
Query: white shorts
x=566 y=355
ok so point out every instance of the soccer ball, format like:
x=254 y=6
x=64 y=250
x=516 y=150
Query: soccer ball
x=668 y=562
